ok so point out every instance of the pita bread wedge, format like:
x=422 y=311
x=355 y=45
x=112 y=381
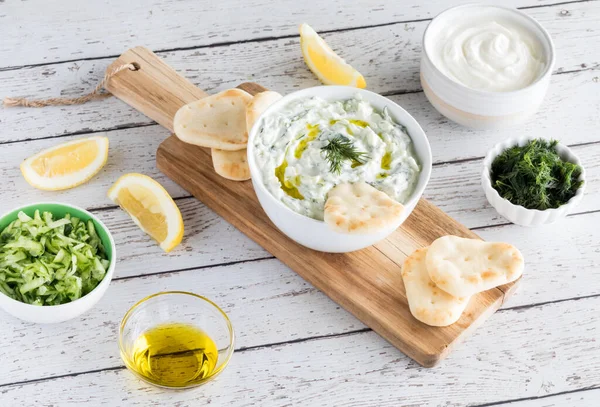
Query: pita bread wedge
x=232 y=165
x=463 y=267
x=217 y=121
x=360 y=208
x=258 y=105
x=427 y=302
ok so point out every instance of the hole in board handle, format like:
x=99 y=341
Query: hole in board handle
x=136 y=66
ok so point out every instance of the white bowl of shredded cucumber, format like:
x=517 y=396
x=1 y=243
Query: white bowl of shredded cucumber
x=56 y=262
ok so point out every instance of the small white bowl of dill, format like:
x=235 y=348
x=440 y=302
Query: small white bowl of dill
x=532 y=181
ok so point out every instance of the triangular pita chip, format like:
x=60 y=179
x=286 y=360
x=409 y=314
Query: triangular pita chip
x=360 y=208
x=217 y=121
x=463 y=267
x=427 y=302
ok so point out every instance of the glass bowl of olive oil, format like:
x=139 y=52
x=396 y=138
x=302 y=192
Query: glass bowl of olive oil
x=176 y=339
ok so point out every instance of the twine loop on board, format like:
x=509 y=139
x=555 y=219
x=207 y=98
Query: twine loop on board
x=93 y=95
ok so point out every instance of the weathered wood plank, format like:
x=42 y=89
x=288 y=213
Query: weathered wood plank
x=266 y=302
x=388 y=56
x=570 y=114
x=583 y=398
x=376 y=297
x=560 y=259
x=454 y=187
x=109 y=27
x=131 y=150
x=209 y=240
x=541 y=353
x=270 y=304
x=362 y=370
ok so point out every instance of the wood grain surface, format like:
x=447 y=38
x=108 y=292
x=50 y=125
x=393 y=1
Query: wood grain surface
x=268 y=303
x=548 y=354
x=154 y=79
x=388 y=56
x=295 y=346
x=367 y=283
x=162 y=24
x=454 y=186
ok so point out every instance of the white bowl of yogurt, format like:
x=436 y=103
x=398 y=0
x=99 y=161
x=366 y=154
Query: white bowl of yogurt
x=291 y=175
x=486 y=67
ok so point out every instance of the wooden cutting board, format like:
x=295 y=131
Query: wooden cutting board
x=367 y=283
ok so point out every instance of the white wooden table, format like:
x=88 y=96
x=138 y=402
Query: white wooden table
x=294 y=345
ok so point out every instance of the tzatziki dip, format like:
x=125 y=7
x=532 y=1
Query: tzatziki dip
x=311 y=145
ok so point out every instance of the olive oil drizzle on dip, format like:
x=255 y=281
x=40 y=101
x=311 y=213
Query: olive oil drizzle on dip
x=290 y=152
x=313 y=132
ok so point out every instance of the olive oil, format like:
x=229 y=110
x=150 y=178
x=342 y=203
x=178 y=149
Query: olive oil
x=386 y=161
x=355 y=164
x=286 y=185
x=359 y=123
x=174 y=355
x=356 y=122
x=313 y=132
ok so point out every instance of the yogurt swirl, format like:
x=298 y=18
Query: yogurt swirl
x=496 y=56
x=294 y=168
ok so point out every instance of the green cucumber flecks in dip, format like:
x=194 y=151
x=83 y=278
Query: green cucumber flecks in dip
x=313 y=133
x=291 y=151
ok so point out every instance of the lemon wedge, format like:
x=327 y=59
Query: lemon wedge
x=151 y=208
x=329 y=67
x=66 y=165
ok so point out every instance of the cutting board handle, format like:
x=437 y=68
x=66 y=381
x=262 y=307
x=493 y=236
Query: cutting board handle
x=154 y=88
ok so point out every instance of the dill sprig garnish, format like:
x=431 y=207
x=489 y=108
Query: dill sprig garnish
x=534 y=175
x=340 y=149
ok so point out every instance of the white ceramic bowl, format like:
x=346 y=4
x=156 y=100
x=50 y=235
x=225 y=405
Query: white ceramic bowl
x=58 y=313
x=518 y=214
x=315 y=234
x=476 y=108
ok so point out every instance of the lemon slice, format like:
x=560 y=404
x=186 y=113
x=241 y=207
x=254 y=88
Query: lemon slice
x=330 y=68
x=66 y=165
x=150 y=207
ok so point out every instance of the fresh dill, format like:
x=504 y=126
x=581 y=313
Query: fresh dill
x=534 y=176
x=340 y=149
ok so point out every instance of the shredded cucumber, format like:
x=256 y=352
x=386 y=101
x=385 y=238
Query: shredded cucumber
x=44 y=261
